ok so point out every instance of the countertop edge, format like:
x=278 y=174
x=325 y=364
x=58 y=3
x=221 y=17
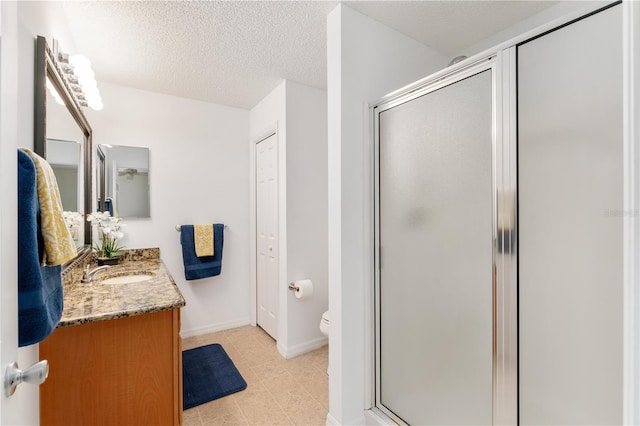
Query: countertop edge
x=80 y=293
x=118 y=315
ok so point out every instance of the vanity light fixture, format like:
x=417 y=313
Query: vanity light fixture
x=80 y=77
x=54 y=93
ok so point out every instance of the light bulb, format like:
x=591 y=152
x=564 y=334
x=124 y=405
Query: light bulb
x=87 y=81
x=84 y=73
x=80 y=62
x=95 y=97
x=91 y=92
x=96 y=104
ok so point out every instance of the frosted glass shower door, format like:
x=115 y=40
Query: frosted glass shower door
x=570 y=174
x=434 y=286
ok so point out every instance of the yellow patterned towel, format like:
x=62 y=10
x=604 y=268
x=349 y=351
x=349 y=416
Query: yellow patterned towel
x=203 y=239
x=59 y=246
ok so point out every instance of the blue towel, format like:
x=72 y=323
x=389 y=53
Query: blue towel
x=108 y=206
x=40 y=295
x=196 y=267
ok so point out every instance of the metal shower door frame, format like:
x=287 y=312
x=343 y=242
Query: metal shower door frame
x=504 y=186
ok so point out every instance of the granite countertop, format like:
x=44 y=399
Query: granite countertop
x=90 y=302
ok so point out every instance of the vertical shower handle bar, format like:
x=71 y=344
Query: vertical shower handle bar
x=505 y=374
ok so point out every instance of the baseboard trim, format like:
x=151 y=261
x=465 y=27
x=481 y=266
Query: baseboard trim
x=372 y=417
x=226 y=325
x=303 y=348
x=281 y=350
x=332 y=421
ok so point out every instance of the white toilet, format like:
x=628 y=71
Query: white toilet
x=324 y=327
x=324 y=324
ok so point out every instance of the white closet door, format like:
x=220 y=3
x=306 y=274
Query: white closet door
x=267 y=234
x=570 y=224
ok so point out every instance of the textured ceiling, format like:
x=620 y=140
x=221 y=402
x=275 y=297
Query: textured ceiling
x=235 y=52
x=450 y=26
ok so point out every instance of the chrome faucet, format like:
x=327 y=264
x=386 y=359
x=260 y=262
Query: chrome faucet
x=87 y=276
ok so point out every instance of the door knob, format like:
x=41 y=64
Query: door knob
x=13 y=376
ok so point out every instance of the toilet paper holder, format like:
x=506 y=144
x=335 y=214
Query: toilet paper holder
x=302 y=289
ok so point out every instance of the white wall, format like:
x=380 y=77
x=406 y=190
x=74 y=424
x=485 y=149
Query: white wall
x=366 y=60
x=298 y=112
x=269 y=112
x=8 y=213
x=64 y=152
x=134 y=158
x=270 y=115
x=306 y=214
x=198 y=157
x=21 y=23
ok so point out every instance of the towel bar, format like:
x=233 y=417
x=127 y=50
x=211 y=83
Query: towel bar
x=178 y=227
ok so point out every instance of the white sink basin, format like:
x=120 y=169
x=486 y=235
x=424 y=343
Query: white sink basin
x=128 y=279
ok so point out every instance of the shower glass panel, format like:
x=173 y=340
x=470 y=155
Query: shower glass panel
x=570 y=224
x=434 y=287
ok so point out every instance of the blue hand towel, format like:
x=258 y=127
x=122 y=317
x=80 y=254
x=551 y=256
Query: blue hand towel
x=108 y=206
x=40 y=295
x=196 y=267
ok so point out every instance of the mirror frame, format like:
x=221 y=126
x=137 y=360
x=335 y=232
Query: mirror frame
x=47 y=66
x=100 y=185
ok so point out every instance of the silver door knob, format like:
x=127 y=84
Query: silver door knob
x=13 y=376
x=270 y=248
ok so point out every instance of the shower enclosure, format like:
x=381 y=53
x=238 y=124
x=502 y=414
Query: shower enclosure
x=440 y=335
x=498 y=253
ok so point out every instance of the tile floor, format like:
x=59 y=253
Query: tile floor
x=279 y=391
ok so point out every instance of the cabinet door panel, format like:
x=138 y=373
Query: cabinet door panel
x=112 y=372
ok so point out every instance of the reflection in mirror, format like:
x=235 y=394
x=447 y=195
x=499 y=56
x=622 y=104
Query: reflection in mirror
x=64 y=158
x=62 y=135
x=64 y=154
x=123 y=180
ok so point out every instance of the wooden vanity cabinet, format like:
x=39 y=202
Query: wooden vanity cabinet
x=125 y=371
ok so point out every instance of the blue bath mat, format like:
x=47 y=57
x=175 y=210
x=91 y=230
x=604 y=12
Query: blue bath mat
x=207 y=374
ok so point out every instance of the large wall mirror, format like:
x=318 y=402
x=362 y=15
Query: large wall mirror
x=63 y=136
x=123 y=180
